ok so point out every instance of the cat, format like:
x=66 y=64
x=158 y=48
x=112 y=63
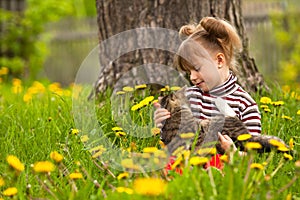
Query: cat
x=182 y=121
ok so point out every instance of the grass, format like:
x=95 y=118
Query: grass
x=38 y=119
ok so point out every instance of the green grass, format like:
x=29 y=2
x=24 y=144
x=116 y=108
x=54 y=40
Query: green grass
x=32 y=130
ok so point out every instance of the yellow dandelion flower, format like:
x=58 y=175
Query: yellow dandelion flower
x=253 y=145
x=289 y=196
x=155 y=131
x=160 y=154
x=244 y=137
x=120 y=92
x=204 y=151
x=283 y=149
x=56 y=88
x=196 y=160
x=276 y=143
x=256 y=166
x=27 y=97
x=120 y=133
x=116 y=128
x=277 y=103
x=163 y=89
x=136 y=107
x=264 y=106
x=11 y=191
x=224 y=158
x=286 y=117
x=43 y=167
x=298 y=112
x=177 y=162
x=286 y=88
x=267 y=110
x=127 y=89
x=123 y=175
x=129 y=164
x=140 y=86
x=146 y=155
x=75 y=175
x=186 y=154
x=150 y=149
x=155 y=101
x=74 y=131
x=57 y=157
x=124 y=189
x=175 y=88
x=149 y=186
x=178 y=151
x=15 y=163
x=2 y=182
x=84 y=138
x=265 y=100
x=287 y=156
x=187 y=135
x=4 y=71
x=98 y=148
x=291 y=143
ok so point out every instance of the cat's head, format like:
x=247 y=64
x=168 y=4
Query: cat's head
x=175 y=100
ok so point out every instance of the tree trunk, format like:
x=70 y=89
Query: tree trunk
x=117 y=16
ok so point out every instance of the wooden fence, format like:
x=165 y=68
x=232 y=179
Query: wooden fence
x=74 y=39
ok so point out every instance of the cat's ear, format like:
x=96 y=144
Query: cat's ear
x=181 y=92
x=224 y=108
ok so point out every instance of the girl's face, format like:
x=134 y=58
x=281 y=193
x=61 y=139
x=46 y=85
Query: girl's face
x=206 y=72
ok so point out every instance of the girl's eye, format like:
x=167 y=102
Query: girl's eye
x=197 y=69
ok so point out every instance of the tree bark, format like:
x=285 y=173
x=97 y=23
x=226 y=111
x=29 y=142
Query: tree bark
x=116 y=16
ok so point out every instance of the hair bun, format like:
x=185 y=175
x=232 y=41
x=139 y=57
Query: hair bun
x=215 y=27
x=187 y=30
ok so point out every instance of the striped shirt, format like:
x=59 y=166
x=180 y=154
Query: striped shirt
x=246 y=109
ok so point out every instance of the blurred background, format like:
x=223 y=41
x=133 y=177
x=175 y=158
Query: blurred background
x=58 y=35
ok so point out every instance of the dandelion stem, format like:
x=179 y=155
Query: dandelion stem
x=212 y=182
x=278 y=167
x=288 y=184
x=46 y=188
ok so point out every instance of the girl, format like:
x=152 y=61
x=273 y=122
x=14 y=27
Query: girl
x=208 y=56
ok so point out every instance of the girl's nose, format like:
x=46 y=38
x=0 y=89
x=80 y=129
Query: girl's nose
x=193 y=75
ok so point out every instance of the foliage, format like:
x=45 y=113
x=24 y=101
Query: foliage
x=46 y=156
x=23 y=44
x=286 y=31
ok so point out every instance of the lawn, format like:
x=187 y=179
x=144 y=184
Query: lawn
x=55 y=144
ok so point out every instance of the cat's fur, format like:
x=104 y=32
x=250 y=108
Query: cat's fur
x=183 y=121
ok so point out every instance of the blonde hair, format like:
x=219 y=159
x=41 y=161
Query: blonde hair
x=214 y=35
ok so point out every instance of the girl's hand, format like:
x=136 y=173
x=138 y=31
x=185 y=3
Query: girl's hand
x=226 y=143
x=160 y=115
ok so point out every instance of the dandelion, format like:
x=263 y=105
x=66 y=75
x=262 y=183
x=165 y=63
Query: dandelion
x=11 y=191
x=27 y=97
x=277 y=103
x=244 y=137
x=98 y=148
x=123 y=175
x=74 y=131
x=140 y=86
x=276 y=143
x=178 y=150
x=2 y=182
x=177 y=162
x=264 y=106
x=135 y=107
x=287 y=156
x=162 y=144
x=267 y=110
x=155 y=131
x=120 y=92
x=84 y=138
x=129 y=164
x=15 y=163
x=160 y=154
x=17 y=86
x=116 y=128
x=149 y=149
x=196 y=160
x=256 y=166
x=175 y=88
x=4 y=71
x=75 y=175
x=127 y=89
x=224 y=158
x=187 y=135
x=43 y=167
x=57 y=157
x=210 y=151
x=124 y=189
x=283 y=149
x=286 y=117
x=149 y=186
x=265 y=100
x=120 y=133
x=55 y=88
x=298 y=112
x=253 y=145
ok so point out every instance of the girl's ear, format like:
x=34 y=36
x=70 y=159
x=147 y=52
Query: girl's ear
x=220 y=59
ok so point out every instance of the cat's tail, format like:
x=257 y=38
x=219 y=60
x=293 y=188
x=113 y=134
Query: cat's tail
x=261 y=143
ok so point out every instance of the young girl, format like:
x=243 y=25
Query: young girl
x=208 y=56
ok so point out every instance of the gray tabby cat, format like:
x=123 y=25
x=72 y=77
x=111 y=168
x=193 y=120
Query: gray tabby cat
x=183 y=121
